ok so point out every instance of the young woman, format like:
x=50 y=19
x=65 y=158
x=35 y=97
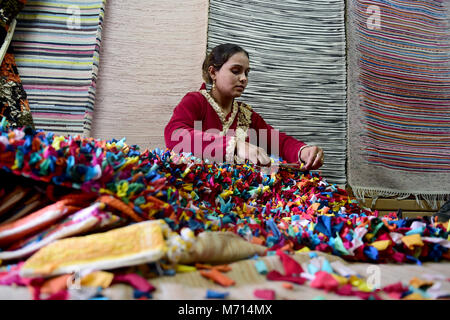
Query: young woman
x=214 y=125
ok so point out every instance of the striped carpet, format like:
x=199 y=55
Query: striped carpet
x=298 y=77
x=399 y=98
x=56 y=43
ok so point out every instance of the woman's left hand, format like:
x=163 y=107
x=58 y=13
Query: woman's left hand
x=312 y=157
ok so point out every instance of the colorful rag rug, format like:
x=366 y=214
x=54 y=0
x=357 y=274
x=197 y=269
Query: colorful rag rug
x=399 y=99
x=286 y=209
x=57 y=52
x=298 y=68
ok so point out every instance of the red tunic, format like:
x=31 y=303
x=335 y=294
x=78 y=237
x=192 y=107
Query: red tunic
x=193 y=137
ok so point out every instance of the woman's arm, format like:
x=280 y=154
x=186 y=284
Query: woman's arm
x=289 y=148
x=277 y=143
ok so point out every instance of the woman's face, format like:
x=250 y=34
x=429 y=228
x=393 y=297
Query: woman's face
x=232 y=78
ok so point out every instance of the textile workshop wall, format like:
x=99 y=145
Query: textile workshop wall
x=399 y=98
x=56 y=43
x=151 y=56
x=298 y=77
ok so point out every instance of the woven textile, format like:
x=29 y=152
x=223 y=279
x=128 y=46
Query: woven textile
x=298 y=68
x=399 y=98
x=56 y=44
x=151 y=56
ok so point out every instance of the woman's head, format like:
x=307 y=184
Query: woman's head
x=227 y=65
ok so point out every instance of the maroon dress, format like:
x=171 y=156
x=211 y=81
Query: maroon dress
x=199 y=126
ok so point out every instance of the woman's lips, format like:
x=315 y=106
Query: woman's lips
x=240 y=87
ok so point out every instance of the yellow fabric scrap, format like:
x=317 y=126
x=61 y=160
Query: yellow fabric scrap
x=122 y=189
x=102 y=190
x=340 y=279
x=364 y=287
x=226 y=194
x=412 y=240
x=381 y=245
x=417 y=283
x=97 y=279
x=369 y=236
x=314 y=206
x=130 y=160
x=355 y=281
x=56 y=144
x=414 y=296
x=184 y=268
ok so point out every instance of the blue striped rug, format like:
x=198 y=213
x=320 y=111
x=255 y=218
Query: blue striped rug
x=56 y=44
x=298 y=77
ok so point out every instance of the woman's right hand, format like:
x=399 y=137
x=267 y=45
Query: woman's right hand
x=254 y=154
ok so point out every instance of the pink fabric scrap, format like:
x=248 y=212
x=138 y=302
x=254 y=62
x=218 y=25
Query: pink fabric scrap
x=276 y=276
x=291 y=267
x=265 y=294
x=324 y=280
x=135 y=280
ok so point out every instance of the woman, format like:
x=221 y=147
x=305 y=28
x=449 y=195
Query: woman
x=214 y=125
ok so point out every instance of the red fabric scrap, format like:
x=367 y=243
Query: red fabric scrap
x=395 y=287
x=291 y=267
x=366 y=295
x=345 y=290
x=324 y=280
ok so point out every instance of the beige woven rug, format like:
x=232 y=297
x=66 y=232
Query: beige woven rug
x=151 y=56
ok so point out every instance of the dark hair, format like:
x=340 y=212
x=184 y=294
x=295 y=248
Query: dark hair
x=218 y=57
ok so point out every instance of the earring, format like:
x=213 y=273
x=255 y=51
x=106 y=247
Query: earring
x=213 y=85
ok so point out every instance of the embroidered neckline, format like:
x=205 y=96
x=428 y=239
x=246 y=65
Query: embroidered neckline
x=225 y=124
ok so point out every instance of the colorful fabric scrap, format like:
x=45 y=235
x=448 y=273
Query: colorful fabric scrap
x=171 y=201
x=287 y=209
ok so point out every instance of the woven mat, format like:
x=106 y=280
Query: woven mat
x=57 y=53
x=399 y=99
x=297 y=57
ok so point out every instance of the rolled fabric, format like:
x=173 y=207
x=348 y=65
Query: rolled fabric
x=36 y=221
x=127 y=246
x=79 y=222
